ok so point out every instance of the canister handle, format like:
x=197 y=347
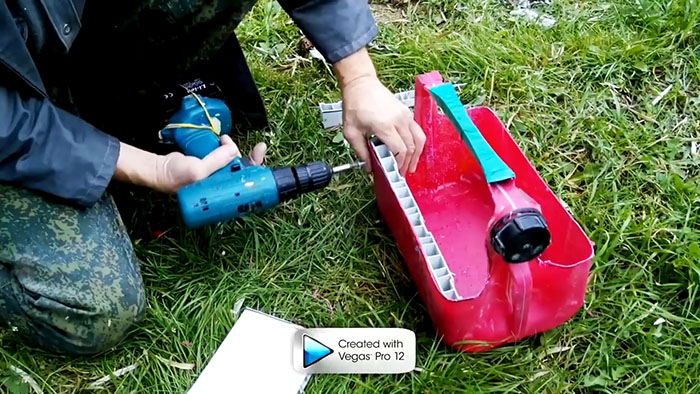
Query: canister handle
x=495 y=169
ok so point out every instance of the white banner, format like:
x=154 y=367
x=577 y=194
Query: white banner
x=355 y=350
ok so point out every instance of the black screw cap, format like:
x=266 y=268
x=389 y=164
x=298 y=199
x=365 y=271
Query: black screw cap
x=521 y=236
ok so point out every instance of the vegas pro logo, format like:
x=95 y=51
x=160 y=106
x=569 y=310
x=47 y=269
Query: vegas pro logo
x=314 y=351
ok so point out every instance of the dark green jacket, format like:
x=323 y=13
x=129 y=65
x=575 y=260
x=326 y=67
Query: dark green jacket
x=51 y=150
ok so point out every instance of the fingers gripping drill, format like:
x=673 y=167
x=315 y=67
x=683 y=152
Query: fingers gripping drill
x=239 y=187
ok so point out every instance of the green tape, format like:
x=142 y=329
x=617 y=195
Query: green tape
x=494 y=168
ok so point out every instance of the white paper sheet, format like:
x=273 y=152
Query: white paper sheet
x=255 y=357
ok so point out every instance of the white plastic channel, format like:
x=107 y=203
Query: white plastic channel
x=442 y=275
x=332 y=113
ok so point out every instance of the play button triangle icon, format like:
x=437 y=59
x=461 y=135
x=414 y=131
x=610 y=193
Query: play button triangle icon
x=314 y=351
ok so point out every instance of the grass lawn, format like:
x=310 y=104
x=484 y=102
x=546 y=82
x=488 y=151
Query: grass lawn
x=579 y=98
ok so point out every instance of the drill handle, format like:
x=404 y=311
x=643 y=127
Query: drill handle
x=200 y=143
x=196 y=142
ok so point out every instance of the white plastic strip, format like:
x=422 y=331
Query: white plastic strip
x=442 y=276
x=332 y=113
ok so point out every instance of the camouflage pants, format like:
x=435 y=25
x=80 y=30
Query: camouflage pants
x=69 y=278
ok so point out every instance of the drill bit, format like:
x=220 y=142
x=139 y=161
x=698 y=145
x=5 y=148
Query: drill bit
x=347 y=167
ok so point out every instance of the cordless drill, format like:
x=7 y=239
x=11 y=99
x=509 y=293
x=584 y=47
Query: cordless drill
x=238 y=188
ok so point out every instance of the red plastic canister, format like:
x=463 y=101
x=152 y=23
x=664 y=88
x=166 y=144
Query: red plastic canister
x=440 y=218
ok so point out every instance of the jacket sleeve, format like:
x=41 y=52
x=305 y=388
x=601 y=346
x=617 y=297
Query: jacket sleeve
x=47 y=149
x=337 y=28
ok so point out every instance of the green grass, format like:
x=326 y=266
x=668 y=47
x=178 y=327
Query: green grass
x=577 y=97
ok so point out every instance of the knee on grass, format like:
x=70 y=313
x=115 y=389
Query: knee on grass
x=88 y=324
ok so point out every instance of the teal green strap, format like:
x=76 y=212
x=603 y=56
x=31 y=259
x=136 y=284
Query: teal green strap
x=494 y=168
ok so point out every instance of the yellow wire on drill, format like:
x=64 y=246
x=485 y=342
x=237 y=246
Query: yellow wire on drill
x=212 y=125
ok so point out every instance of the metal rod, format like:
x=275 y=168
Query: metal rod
x=347 y=167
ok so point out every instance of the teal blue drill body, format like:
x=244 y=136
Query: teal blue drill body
x=228 y=193
x=237 y=188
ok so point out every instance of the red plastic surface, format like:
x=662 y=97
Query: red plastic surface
x=498 y=302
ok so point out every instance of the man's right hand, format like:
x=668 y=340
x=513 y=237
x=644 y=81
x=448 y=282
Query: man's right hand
x=171 y=172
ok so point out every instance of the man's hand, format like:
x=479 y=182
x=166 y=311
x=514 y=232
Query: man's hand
x=175 y=170
x=171 y=172
x=369 y=108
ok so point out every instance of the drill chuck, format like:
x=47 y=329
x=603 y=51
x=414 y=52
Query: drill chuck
x=294 y=181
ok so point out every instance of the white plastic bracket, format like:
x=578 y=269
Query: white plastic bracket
x=443 y=277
